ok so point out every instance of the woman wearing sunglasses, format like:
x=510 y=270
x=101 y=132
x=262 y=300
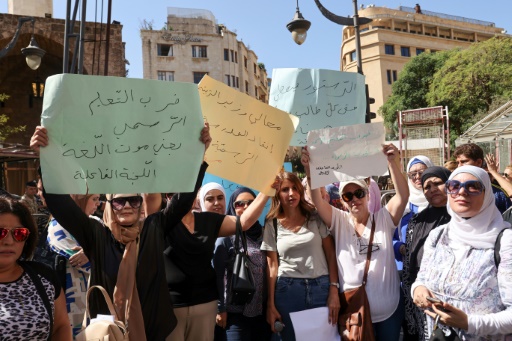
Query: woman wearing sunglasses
x=188 y=260
x=301 y=262
x=459 y=268
x=29 y=291
x=126 y=253
x=241 y=322
x=77 y=265
x=351 y=231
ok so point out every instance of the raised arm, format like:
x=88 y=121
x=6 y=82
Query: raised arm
x=247 y=219
x=324 y=208
x=396 y=205
x=492 y=168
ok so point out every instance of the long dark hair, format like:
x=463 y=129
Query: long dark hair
x=19 y=209
x=305 y=207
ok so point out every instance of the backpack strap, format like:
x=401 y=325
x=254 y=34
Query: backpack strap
x=42 y=293
x=497 y=248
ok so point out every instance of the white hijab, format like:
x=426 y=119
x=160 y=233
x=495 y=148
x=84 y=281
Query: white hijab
x=481 y=230
x=416 y=196
x=207 y=188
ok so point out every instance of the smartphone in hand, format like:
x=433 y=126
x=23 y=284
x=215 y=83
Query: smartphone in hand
x=434 y=300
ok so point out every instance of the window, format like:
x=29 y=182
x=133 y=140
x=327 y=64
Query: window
x=232 y=55
x=199 y=51
x=226 y=54
x=233 y=83
x=388 y=73
x=245 y=62
x=395 y=76
x=164 y=50
x=247 y=87
x=391 y=76
x=237 y=84
x=353 y=56
x=198 y=76
x=254 y=68
x=419 y=51
x=236 y=57
x=405 y=51
x=166 y=76
x=256 y=91
x=389 y=49
x=228 y=80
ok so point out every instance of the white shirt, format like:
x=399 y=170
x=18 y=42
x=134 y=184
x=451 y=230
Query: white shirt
x=383 y=284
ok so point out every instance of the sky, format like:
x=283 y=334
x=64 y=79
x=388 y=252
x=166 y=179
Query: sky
x=261 y=25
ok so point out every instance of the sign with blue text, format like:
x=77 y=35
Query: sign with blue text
x=320 y=98
x=119 y=135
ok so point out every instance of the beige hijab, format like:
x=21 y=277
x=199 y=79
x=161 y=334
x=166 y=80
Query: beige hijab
x=125 y=292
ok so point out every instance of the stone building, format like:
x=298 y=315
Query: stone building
x=192 y=44
x=20 y=83
x=396 y=35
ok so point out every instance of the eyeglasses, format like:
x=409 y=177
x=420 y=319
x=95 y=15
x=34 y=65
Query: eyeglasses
x=412 y=175
x=120 y=202
x=242 y=203
x=506 y=175
x=358 y=193
x=19 y=234
x=472 y=187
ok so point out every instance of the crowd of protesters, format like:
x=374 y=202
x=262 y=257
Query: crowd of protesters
x=441 y=254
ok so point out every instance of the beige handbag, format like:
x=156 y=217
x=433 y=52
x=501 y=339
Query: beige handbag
x=102 y=330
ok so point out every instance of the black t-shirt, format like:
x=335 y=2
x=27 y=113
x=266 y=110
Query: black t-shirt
x=188 y=260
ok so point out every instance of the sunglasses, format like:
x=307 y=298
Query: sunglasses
x=358 y=193
x=19 y=234
x=119 y=203
x=506 y=175
x=412 y=175
x=242 y=203
x=472 y=187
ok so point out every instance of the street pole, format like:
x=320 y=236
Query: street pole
x=357 y=39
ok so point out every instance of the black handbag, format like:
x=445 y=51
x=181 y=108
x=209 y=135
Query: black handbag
x=440 y=334
x=242 y=280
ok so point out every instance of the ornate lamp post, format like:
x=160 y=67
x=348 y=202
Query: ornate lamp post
x=33 y=53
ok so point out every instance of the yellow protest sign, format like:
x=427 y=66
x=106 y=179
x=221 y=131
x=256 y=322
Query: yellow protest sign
x=249 y=137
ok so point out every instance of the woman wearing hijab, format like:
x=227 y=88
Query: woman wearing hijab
x=191 y=278
x=433 y=182
x=459 y=266
x=126 y=253
x=417 y=203
x=242 y=322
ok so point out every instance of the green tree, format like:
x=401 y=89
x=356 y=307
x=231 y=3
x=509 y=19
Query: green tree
x=471 y=80
x=6 y=130
x=411 y=89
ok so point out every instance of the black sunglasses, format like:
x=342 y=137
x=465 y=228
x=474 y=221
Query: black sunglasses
x=120 y=202
x=472 y=187
x=242 y=203
x=358 y=193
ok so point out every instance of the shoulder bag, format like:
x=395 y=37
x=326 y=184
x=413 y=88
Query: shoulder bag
x=242 y=280
x=443 y=334
x=355 y=320
x=102 y=330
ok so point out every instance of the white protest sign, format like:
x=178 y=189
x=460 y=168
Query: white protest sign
x=344 y=153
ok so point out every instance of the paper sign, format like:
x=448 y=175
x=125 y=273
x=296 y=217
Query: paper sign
x=320 y=98
x=230 y=187
x=313 y=324
x=344 y=153
x=249 y=137
x=119 y=135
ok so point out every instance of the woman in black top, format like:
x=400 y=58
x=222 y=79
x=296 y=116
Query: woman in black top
x=105 y=247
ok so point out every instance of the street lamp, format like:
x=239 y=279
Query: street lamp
x=299 y=27
x=345 y=21
x=33 y=53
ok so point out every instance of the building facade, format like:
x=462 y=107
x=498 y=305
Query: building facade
x=396 y=35
x=193 y=45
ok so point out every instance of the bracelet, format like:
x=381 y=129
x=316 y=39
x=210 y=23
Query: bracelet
x=335 y=284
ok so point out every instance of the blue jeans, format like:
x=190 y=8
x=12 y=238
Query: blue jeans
x=296 y=294
x=389 y=329
x=243 y=328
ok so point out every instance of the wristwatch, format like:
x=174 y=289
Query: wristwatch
x=335 y=284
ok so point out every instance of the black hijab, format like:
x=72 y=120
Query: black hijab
x=256 y=230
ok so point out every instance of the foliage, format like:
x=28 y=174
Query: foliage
x=6 y=130
x=262 y=66
x=412 y=86
x=471 y=80
x=146 y=25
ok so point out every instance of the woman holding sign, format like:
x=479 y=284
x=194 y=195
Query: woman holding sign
x=352 y=230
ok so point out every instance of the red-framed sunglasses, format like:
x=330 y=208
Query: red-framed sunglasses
x=19 y=234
